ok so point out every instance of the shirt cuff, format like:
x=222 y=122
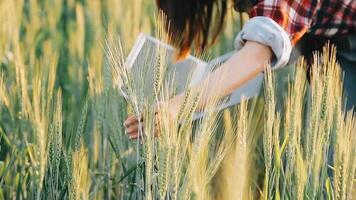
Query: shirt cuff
x=266 y=31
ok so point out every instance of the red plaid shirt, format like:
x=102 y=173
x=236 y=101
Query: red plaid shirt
x=321 y=17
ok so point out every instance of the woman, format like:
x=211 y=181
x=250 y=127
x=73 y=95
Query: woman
x=274 y=28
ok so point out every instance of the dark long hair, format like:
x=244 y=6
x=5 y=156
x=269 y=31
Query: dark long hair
x=197 y=22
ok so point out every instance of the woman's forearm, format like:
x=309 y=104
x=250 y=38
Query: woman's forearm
x=240 y=68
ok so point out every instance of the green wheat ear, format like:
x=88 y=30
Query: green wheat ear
x=81 y=124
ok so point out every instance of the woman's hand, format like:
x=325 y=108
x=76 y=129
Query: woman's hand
x=132 y=123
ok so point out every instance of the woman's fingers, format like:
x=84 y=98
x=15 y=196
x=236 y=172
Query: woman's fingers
x=132 y=128
x=133 y=136
x=132 y=125
x=133 y=133
x=131 y=120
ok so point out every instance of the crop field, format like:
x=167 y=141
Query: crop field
x=61 y=116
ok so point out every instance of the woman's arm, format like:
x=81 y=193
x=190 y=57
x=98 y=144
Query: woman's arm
x=240 y=68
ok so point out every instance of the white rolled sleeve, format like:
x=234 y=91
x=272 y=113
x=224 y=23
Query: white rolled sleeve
x=266 y=31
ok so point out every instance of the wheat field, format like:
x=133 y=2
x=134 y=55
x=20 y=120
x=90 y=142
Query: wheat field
x=61 y=117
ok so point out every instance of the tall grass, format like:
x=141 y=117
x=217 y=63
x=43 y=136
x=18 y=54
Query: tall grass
x=61 y=132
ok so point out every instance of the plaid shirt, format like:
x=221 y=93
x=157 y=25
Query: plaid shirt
x=326 y=18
